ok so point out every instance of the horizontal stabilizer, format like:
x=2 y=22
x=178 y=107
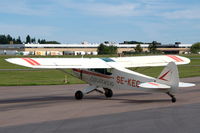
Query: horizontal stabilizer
x=154 y=85
x=182 y=84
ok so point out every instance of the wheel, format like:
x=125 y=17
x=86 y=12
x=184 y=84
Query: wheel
x=173 y=99
x=172 y=96
x=108 y=92
x=79 y=95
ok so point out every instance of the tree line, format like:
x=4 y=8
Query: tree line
x=105 y=49
x=152 y=48
x=7 y=39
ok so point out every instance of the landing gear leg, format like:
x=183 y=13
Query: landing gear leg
x=172 y=96
x=108 y=92
x=79 y=94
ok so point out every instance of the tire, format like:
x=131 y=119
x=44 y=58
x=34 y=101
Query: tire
x=79 y=95
x=173 y=100
x=108 y=93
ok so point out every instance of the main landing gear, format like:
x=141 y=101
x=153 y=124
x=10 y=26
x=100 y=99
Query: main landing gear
x=108 y=92
x=79 y=94
x=172 y=96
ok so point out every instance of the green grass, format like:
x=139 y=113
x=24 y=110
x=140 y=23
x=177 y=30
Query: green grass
x=53 y=77
x=43 y=77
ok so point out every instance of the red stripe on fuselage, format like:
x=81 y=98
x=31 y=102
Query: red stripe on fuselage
x=175 y=58
x=92 y=73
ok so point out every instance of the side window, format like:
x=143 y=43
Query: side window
x=109 y=71
x=103 y=71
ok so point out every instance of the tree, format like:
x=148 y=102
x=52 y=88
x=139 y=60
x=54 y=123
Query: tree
x=103 y=49
x=28 y=39
x=39 y=41
x=112 y=49
x=153 y=47
x=156 y=43
x=195 y=48
x=33 y=40
x=106 y=42
x=52 y=42
x=18 y=41
x=3 y=39
x=9 y=39
x=43 y=41
x=133 y=42
x=138 y=49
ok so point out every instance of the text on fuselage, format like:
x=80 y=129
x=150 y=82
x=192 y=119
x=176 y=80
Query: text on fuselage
x=129 y=81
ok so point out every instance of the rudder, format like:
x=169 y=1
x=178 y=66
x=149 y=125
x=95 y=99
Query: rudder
x=169 y=76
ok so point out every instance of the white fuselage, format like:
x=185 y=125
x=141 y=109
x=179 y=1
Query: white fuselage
x=115 y=79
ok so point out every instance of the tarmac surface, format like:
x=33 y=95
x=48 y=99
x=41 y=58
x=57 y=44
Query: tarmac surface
x=53 y=109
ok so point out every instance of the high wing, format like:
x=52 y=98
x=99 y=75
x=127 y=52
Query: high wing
x=53 y=63
x=150 y=61
x=126 y=62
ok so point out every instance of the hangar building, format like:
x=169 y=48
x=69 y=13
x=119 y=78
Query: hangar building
x=59 y=49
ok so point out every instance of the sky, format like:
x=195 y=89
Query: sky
x=95 y=21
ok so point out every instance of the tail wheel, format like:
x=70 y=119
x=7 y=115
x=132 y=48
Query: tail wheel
x=108 y=92
x=79 y=95
x=172 y=96
x=173 y=99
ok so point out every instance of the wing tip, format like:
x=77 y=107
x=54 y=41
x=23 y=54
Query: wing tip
x=18 y=61
x=10 y=60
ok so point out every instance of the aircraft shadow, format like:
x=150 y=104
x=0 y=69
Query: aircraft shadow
x=52 y=99
x=118 y=97
x=21 y=103
x=126 y=100
x=38 y=99
x=131 y=94
x=147 y=101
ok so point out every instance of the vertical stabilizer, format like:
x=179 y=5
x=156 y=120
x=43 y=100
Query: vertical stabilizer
x=169 y=76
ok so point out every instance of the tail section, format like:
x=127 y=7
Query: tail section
x=169 y=76
x=167 y=81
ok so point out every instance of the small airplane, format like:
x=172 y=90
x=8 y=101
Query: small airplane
x=112 y=73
